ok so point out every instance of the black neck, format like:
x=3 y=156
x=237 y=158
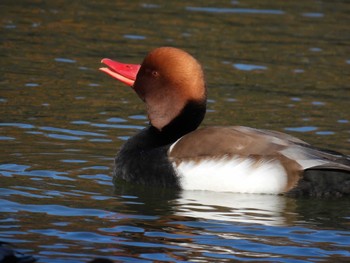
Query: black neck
x=188 y=120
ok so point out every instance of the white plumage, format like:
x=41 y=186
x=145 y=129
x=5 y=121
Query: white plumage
x=227 y=174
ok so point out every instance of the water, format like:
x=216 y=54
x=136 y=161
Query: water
x=271 y=64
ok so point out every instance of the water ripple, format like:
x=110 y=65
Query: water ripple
x=90 y=237
x=301 y=129
x=9 y=192
x=18 y=125
x=73 y=132
x=10 y=170
x=235 y=10
x=56 y=210
x=248 y=67
x=123 y=228
x=65 y=60
x=242 y=238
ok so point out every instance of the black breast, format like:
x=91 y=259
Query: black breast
x=143 y=160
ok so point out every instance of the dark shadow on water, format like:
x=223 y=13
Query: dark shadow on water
x=330 y=213
x=147 y=200
x=273 y=210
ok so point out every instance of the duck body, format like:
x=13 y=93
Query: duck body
x=172 y=152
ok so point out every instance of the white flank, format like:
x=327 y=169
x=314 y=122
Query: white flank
x=237 y=175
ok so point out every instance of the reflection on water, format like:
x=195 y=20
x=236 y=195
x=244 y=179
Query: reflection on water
x=273 y=65
x=165 y=225
x=252 y=209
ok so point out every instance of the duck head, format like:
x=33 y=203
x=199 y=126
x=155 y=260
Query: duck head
x=168 y=80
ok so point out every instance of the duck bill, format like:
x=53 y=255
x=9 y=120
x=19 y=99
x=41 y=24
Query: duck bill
x=125 y=73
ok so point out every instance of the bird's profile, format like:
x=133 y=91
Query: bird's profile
x=172 y=152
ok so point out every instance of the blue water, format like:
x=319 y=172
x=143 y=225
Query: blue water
x=167 y=226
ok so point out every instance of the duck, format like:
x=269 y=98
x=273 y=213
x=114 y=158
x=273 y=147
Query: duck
x=173 y=152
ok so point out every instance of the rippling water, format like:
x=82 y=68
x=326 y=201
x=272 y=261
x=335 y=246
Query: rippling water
x=269 y=64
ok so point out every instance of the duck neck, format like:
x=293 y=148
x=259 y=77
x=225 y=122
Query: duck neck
x=188 y=120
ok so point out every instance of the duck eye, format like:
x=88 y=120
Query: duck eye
x=155 y=73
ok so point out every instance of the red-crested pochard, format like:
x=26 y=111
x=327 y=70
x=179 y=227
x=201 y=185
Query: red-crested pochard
x=172 y=152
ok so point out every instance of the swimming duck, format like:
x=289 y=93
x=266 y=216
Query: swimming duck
x=172 y=152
